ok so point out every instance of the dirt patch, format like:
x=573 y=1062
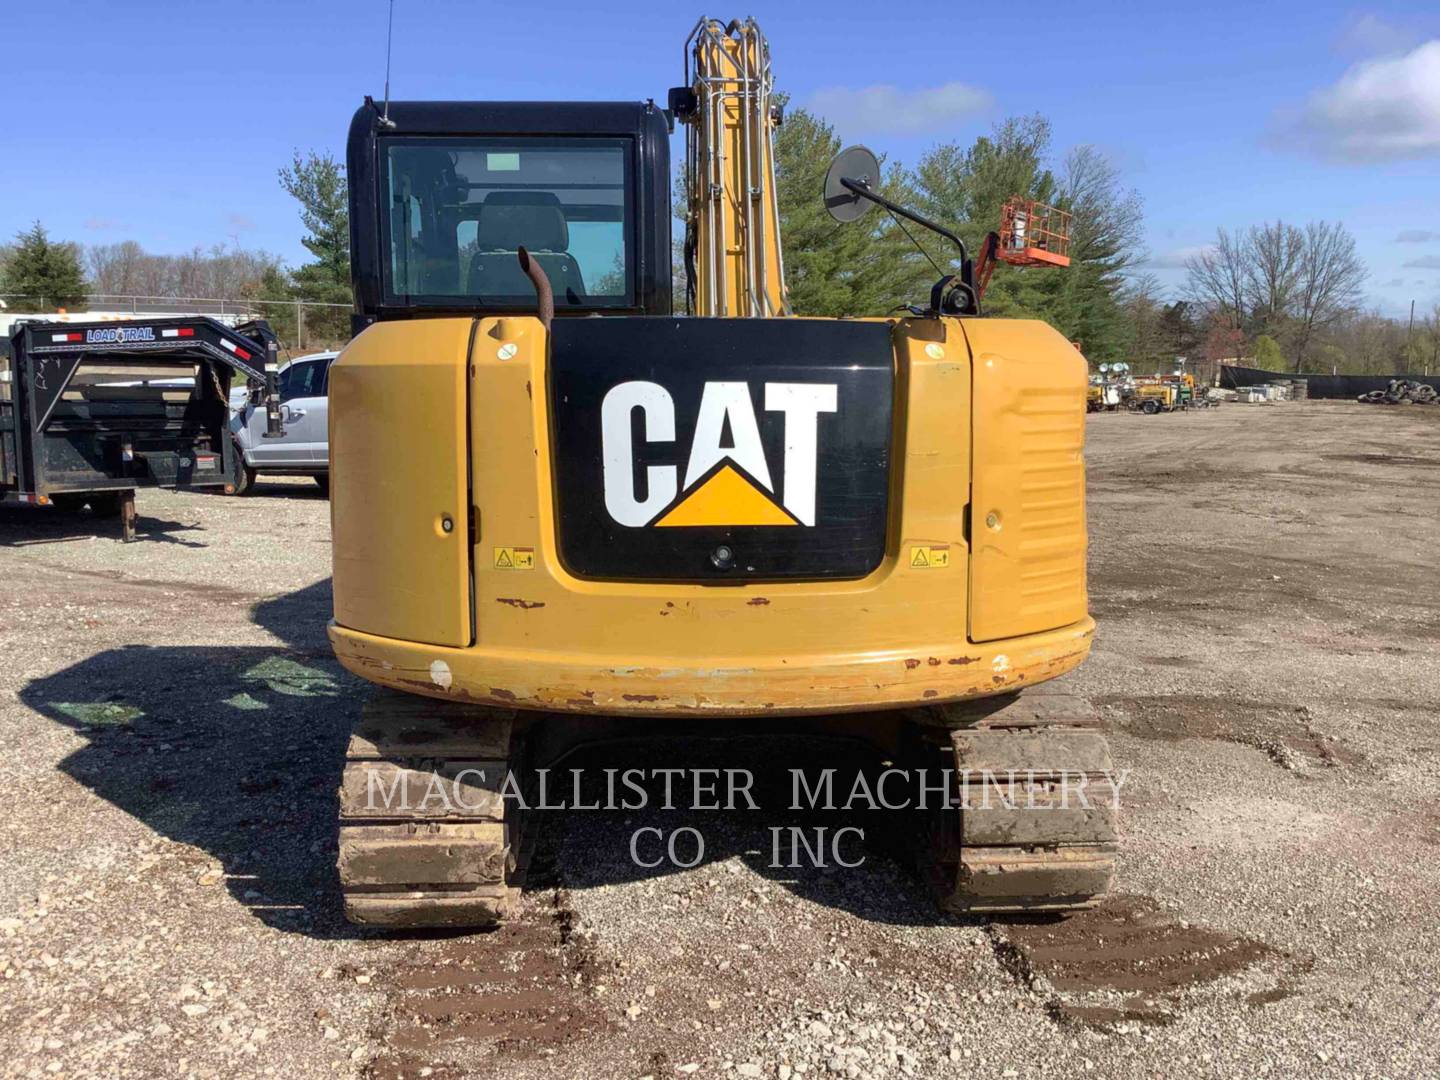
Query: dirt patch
x=519 y=992
x=1384 y=459
x=1284 y=733
x=1125 y=960
x=1145 y=477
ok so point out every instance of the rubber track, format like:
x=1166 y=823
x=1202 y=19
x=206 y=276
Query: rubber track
x=426 y=840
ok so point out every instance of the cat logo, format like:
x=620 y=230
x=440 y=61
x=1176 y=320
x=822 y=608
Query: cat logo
x=727 y=479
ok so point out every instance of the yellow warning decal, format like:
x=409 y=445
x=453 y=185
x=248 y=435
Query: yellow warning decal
x=930 y=556
x=727 y=498
x=514 y=558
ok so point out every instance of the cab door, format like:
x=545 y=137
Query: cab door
x=305 y=413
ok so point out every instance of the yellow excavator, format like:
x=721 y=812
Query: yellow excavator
x=563 y=512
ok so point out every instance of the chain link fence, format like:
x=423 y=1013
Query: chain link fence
x=299 y=324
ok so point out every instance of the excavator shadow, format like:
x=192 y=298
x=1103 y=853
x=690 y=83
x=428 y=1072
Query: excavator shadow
x=234 y=751
x=237 y=751
x=799 y=811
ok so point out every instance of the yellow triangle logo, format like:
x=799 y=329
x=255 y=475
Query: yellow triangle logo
x=727 y=498
x=918 y=557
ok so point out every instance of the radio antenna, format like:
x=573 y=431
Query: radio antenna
x=385 y=120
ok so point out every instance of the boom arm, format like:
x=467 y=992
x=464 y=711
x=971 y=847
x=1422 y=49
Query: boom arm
x=732 y=230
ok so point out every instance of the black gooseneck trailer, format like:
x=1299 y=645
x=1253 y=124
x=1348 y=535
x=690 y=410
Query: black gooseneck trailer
x=91 y=411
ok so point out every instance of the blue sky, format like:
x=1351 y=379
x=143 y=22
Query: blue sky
x=166 y=122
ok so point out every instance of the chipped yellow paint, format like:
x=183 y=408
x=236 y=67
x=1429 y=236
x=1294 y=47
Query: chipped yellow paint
x=549 y=640
x=777 y=684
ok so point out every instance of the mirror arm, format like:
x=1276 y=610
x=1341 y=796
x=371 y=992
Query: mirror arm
x=864 y=191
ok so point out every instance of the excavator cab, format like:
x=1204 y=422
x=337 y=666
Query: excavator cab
x=549 y=526
x=443 y=195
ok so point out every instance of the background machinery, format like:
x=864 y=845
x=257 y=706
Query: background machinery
x=1166 y=393
x=561 y=512
x=1110 y=388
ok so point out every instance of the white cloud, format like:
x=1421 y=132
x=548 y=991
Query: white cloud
x=1416 y=236
x=1386 y=109
x=1177 y=259
x=1370 y=35
x=1425 y=262
x=888 y=110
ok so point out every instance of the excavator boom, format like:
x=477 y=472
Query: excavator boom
x=732 y=240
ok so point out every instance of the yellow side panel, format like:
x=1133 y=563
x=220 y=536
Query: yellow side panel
x=1027 y=514
x=398 y=473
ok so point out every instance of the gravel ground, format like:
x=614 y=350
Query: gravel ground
x=1265 y=579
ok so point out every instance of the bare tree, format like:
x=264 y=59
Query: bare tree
x=114 y=268
x=1327 y=284
x=1216 y=277
x=128 y=269
x=1141 y=307
x=1272 y=256
x=1108 y=221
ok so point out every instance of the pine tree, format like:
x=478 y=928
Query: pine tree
x=964 y=187
x=317 y=182
x=44 y=273
x=865 y=267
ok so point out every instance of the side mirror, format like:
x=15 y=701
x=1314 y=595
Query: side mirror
x=850 y=188
x=858 y=165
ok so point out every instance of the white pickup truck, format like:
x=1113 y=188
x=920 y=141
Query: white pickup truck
x=304 y=448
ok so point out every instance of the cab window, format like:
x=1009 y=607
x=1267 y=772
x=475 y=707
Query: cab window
x=460 y=210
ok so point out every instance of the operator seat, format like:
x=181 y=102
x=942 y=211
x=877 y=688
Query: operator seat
x=534 y=220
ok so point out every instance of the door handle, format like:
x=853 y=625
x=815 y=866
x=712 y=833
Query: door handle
x=293 y=414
